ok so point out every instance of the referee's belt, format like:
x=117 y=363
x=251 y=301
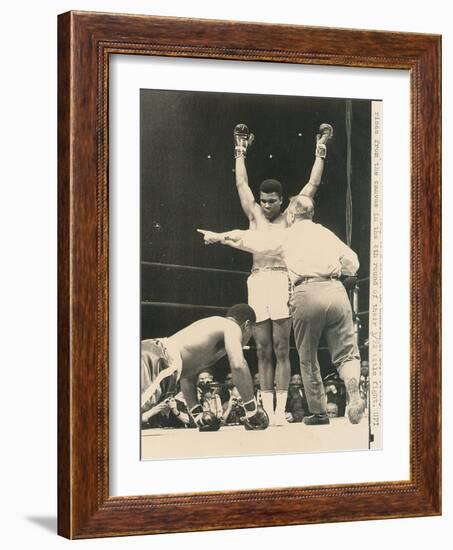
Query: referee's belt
x=315 y=280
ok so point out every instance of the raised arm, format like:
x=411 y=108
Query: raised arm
x=242 y=140
x=325 y=134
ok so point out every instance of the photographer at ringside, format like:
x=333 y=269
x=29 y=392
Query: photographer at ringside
x=208 y=396
x=296 y=403
x=233 y=409
x=170 y=412
x=336 y=395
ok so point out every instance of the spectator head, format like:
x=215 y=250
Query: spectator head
x=205 y=376
x=205 y=380
x=365 y=369
x=229 y=381
x=332 y=410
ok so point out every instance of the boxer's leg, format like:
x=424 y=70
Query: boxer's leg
x=281 y=330
x=262 y=333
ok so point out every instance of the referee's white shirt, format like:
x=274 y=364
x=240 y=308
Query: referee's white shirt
x=308 y=249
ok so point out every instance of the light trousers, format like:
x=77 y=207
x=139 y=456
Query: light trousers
x=322 y=308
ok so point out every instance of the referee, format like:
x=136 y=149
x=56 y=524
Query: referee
x=315 y=259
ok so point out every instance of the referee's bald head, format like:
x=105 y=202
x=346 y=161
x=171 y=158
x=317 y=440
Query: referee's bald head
x=301 y=207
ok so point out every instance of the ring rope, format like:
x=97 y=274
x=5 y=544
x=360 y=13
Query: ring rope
x=195 y=268
x=184 y=306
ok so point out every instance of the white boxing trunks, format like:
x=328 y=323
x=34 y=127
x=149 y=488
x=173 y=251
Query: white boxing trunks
x=269 y=293
x=161 y=367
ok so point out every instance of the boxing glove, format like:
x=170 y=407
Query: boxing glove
x=242 y=140
x=259 y=421
x=324 y=135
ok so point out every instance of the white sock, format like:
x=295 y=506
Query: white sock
x=268 y=401
x=282 y=396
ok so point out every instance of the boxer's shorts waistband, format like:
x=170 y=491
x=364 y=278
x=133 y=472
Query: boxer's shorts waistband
x=313 y=280
x=264 y=269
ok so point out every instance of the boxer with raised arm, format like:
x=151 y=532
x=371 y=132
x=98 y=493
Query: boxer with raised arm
x=268 y=284
x=193 y=349
x=316 y=259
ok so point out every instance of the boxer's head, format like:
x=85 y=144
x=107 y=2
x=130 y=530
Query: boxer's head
x=245 y=317
x=271 y=198
x=300 y=208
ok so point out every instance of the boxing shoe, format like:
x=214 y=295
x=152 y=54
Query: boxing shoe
x=270 y=416
x=355 y=409
x=259 y=421
x=355 y=403
x=279 y=419
x=316 y=419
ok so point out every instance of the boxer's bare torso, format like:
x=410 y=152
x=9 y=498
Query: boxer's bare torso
x=267 y=261
x=202 y=343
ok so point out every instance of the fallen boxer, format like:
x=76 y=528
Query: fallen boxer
x=193 y=349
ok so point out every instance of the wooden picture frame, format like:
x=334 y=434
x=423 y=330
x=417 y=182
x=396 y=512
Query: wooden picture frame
x=85 y=41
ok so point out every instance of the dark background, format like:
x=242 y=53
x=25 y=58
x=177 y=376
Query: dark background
x=187 y=181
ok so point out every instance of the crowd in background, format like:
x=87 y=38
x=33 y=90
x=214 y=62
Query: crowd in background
x=222 y=399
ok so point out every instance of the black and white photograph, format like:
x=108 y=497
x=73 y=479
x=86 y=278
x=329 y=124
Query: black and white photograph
x=134 y=219
x=260 y=232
